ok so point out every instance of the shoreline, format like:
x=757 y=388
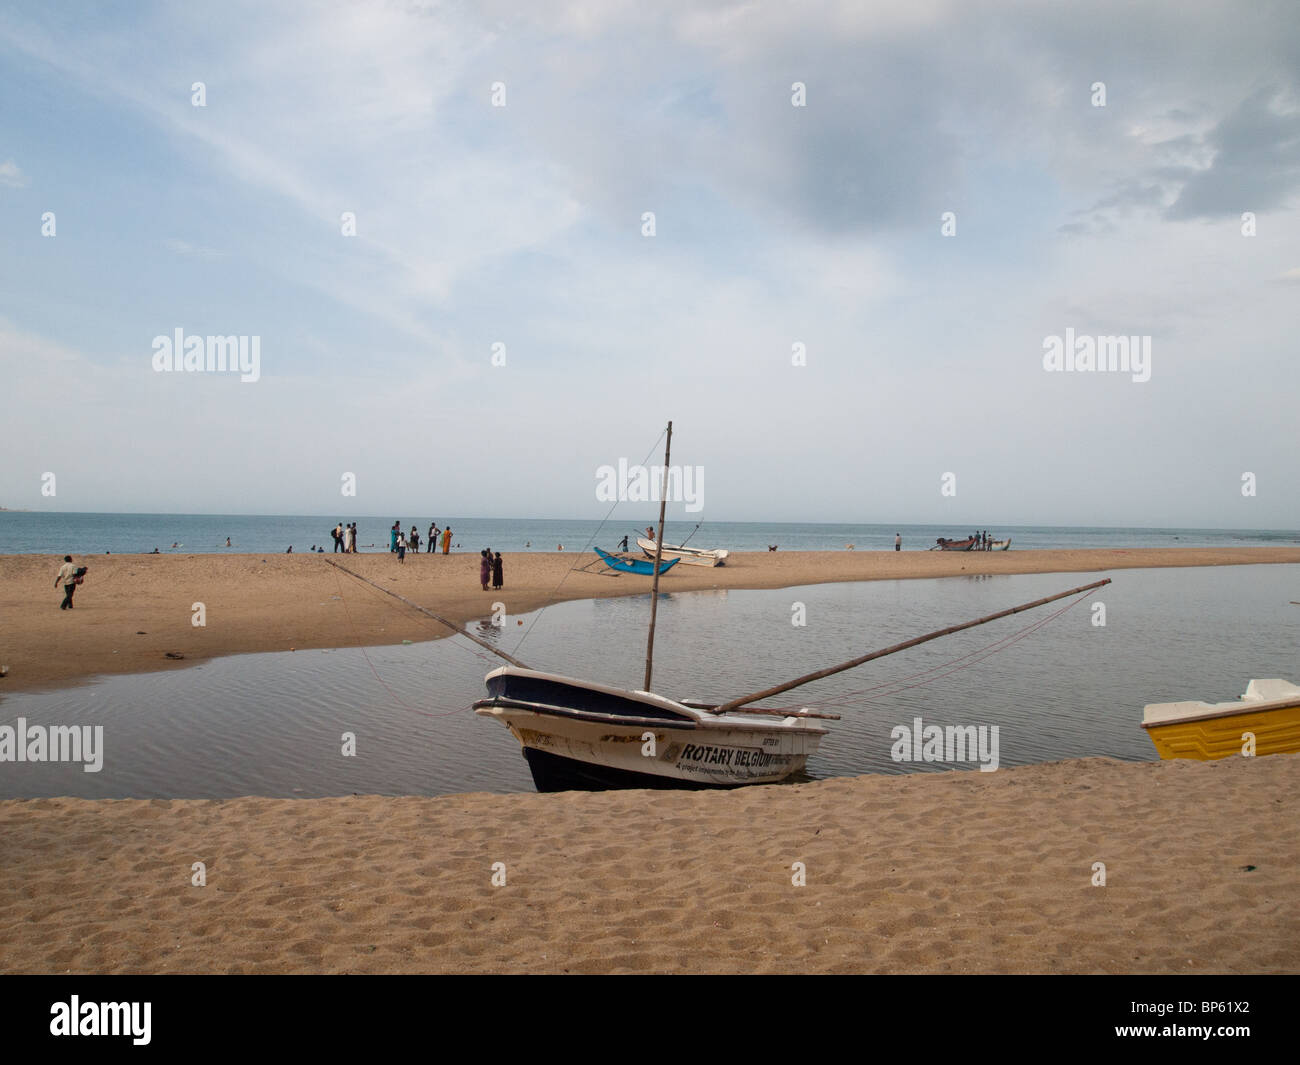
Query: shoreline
x=957 y=872
x=135 y=609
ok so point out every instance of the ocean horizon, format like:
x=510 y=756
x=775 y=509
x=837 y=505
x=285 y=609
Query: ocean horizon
x=91 y=533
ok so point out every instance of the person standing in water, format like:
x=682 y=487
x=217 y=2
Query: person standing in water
x=898 y=541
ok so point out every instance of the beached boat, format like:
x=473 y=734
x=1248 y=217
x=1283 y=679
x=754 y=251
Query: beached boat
x=1266 y=720
x=632 y=565
x=692 y=556
x=970 y=544
x=577 y=734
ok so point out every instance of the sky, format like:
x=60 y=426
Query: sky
x=869 y=222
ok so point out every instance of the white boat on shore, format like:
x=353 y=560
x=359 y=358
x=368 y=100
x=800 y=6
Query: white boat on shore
x=690 y=556
x=577 y=734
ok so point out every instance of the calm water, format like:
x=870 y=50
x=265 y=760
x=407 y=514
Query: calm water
x=93 y=534
x=270 y=724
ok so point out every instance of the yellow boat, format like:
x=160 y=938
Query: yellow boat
x=1266 y=720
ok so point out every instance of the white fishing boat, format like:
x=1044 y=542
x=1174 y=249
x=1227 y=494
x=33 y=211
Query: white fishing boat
x=577 y=734
x=690 y=556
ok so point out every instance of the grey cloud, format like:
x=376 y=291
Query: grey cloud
x=1256 y=165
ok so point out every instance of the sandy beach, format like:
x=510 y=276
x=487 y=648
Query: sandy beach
x=134 y=610
x=959 y=872
x=954 y=872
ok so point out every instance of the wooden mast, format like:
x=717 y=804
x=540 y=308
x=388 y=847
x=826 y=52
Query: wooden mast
x=659 y=550
x=807 y=678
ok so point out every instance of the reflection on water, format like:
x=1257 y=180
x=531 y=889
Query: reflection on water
x=273 y=724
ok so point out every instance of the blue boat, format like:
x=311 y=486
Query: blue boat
x=634 y=565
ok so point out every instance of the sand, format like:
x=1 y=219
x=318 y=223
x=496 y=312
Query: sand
x=134 y=610
x=953 y=872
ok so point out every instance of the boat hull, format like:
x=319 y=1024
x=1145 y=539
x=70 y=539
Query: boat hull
x=1274 y=732
x=651 y=755
x=688 y=556
x=1205 y=732
x=554 y=772
x=582 y=735
x=635 y=565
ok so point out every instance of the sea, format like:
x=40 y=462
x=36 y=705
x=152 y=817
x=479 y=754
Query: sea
x=1064 y=681
x=46 y=533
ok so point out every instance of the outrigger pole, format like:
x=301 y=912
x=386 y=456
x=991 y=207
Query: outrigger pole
x=659 y=550
x=450 y=624
x=808 y=678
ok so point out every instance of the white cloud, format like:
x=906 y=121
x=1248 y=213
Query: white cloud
x=12 y=176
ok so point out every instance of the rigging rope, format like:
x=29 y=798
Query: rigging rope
x=896 y=686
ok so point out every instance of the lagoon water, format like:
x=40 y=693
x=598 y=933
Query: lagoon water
x=271 y=724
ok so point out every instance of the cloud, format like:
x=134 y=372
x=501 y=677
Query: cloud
x=195 y=251
x=1256 y=164
x=12 y=176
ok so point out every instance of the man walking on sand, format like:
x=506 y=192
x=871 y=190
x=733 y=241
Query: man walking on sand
x=68 y=578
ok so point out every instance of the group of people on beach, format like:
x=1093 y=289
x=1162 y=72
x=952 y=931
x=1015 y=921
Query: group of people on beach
x=400 y=542
x=982 y=541
x=345 y=538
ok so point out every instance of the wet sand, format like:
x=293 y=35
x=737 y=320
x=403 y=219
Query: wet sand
x=135 y=609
